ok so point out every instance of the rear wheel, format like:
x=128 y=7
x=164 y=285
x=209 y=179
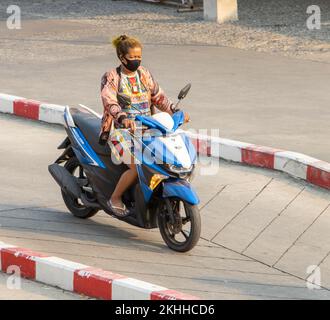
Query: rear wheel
x=179 y=224
x=76 y=207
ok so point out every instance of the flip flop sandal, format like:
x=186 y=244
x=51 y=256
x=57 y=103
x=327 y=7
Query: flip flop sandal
x=118 y=211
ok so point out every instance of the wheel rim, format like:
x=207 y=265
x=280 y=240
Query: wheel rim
x=179 y=231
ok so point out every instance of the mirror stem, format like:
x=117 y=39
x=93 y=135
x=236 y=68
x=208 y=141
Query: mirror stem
x=178 y=103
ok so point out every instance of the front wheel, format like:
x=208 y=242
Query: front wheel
x=179 y=224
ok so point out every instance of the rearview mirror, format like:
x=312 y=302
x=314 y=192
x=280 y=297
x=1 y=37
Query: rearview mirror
x=184 y=91
x=124 y=99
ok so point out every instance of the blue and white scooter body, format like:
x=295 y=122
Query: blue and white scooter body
x=170 y=154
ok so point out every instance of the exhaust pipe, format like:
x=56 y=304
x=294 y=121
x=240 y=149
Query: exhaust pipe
x=65 y=180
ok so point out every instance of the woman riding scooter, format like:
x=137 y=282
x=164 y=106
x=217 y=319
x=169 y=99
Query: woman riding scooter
x=135 y=81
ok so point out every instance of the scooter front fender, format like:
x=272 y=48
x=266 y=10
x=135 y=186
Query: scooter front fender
x=180 y=189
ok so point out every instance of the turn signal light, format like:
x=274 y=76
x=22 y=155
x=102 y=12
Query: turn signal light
x=156 y=180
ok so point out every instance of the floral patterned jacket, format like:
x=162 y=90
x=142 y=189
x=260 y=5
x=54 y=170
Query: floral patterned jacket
x=112 y=110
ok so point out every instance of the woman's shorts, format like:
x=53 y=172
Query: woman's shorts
x=122 y=146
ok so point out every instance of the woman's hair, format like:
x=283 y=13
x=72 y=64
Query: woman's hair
x=123 y=43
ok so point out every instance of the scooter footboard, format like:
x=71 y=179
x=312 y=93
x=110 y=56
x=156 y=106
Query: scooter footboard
x=180 y=189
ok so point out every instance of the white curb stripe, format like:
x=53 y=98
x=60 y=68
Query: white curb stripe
x=133 y=289
x=57 y=272
x=7 y=102
x=51 y=113
x=293 y=163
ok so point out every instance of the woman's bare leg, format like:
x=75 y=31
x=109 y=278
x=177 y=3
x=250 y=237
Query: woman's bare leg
x=125 y=181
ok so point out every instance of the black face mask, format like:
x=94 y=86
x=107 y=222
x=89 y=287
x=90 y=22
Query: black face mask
x=132 y=65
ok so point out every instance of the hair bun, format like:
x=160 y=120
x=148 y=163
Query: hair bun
x=123 y=42
x=116 y=41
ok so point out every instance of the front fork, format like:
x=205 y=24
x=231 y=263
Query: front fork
x=173 y=212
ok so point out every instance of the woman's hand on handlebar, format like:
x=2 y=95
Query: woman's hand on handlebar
x=129 y=124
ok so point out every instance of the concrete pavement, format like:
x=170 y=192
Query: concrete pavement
x=254 y=218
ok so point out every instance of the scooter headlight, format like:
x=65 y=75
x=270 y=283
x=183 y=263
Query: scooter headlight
x=183 y=173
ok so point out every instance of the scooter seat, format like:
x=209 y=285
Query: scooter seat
x=90 y=126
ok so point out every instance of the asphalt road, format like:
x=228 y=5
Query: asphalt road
x=261 y=230
x=253 y=97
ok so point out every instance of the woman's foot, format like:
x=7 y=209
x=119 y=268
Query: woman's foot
x=118 y=208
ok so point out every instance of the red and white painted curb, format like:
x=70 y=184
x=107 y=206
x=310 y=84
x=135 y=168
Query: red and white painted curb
x=295 y=164
x=50 y=113
x=82 y=279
